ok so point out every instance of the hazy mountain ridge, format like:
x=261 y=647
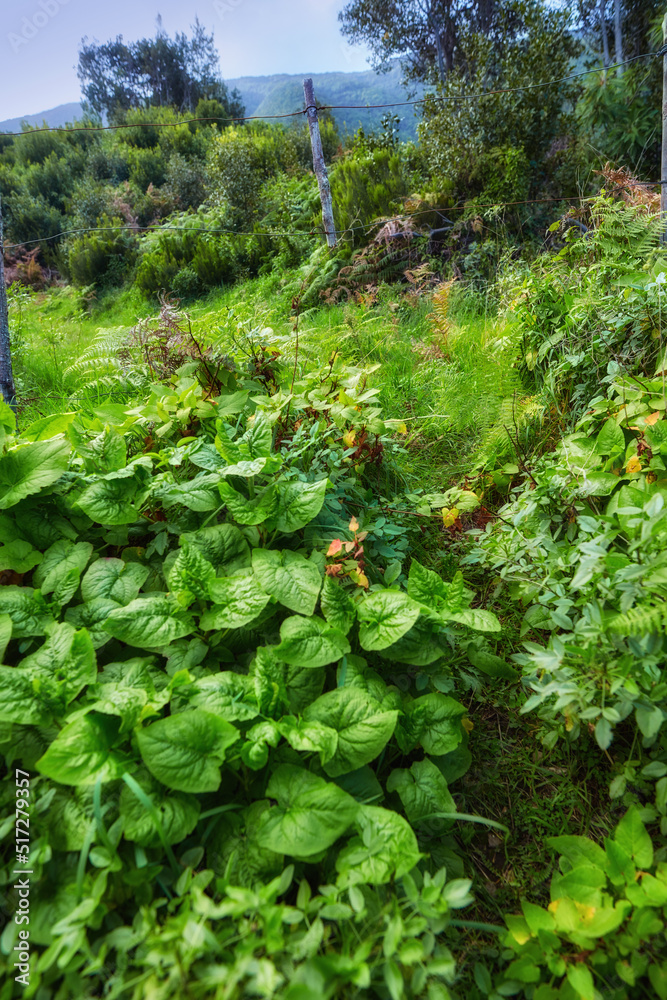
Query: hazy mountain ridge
x=281 y=93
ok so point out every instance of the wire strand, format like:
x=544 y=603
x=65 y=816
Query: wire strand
x=366 y=227
x=341 y=107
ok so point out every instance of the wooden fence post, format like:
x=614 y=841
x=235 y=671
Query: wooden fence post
x=319 y=166
x=6 y=375
x=663 y=165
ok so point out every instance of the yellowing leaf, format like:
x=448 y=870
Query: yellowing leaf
x=359 y=578
x=652 y=418
x=348 y=438
x=634 y=465
x=354 y=524
x=449 y=516
x=402 y=428
x=468 y=724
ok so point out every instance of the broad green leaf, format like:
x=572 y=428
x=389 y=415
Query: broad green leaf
x=455 y=764
x=27 y=609
x=48 y=427
x=249 y=511
x=63 y=563
x=185 y=751
x=123 y=700
x=579 y=850
x=293 y=580
x=356 y=673
x=237 y=600
x=258 y=435
x=92 y=615
x=420 y=646
x=5 y=634
x=423 y=792
x=198 y=494
x=68 y=817
x=385 y=849
x=298 y=504
x=19 y=556
x=385 y=617
x=582 y=884
x=310 y=814
x=610 y=440
x=114 y=580
x=597 y=484
x=190 y=575
x=229 y=695
x=67 y=657
x=309 y=737
x=302 y=685
x=632 y=837
x=231 y=403
x=268 y=676
x=222 y=545
x=434 y=720
x=104 y=452
x=619 y=863
x=178 y=813
x=110 y=501
x=82 y=752
x=649 y=720
x=580 y=979
x=363 y=728
x=337 y=606
x=19 y=701
x=235 y=852
x=310 y=642
x=488 y=663
x=476 y=618
x=149 y=622
x=427 y=587
x=30 y=468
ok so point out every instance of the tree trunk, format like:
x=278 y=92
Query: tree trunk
x=441 y=58
x=618 y=35
x=605 y=40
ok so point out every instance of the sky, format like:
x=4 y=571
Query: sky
x=39 y=40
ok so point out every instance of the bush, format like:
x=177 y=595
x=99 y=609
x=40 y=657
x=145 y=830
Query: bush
x=147 y=167
x=103 y=259
x=366 y=186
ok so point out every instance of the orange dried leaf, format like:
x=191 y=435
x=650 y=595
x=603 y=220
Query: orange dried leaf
x=652 y=418
x=335 y=547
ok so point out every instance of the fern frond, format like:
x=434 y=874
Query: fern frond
x=640 y=621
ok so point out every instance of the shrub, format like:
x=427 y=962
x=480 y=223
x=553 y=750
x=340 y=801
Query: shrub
x=104 y=259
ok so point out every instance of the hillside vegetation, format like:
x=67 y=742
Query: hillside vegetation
x=333 y=591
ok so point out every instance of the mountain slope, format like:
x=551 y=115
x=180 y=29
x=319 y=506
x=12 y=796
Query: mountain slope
x=54 y=118
x=282 y=93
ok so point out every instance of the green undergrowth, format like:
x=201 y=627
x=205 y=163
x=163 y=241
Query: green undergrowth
x=323 y=623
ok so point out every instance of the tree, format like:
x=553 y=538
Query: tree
x=428 y=35
x=501 y=146
x=159 y=71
